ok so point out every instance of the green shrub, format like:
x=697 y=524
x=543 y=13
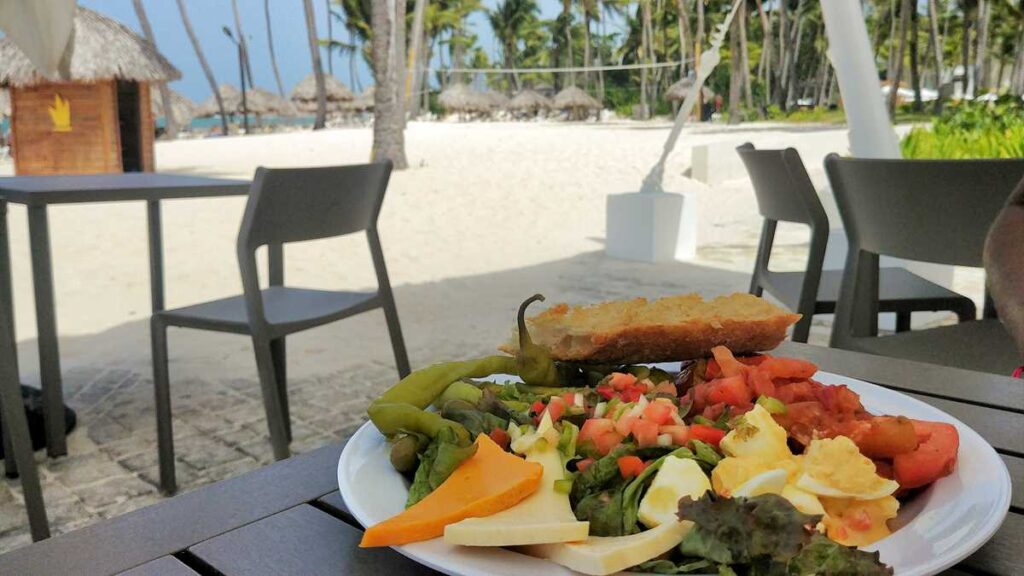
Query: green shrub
x=971 y=130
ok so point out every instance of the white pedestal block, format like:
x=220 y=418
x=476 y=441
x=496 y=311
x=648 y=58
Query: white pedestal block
x=651 y=227
x=715 y=163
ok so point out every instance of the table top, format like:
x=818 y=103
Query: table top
x=288 y=518
x=83 y=188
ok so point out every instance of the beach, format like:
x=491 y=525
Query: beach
x=486 y=215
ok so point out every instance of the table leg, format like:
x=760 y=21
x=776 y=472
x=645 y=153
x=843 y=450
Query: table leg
x=7 y=301
x=156 y=256
x=46 y=322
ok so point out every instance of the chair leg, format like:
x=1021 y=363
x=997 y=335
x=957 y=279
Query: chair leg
x=16 y=427
x=278 y=351
x=395 y=331
x=10 y=462
x=967 y=311
x=271 y=398
x=903 y=321
x=162 y=391
x=802 y=330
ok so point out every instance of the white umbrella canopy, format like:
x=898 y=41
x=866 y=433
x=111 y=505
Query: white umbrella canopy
x=42 y=30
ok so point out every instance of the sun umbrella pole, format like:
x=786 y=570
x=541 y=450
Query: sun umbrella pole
x=709 y=59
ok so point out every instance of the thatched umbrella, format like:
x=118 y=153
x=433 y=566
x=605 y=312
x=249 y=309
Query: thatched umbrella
x=677 y=92
x=497 y=99
x=305 y=97
x=100 y=49
x=529 y=101
x=459 y=98
x=577 y=102
x=263 y=102
x=184 y=108
x=362 y=103
x=229 y=95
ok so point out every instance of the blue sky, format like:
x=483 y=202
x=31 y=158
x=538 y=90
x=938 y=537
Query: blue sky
x=290 y=43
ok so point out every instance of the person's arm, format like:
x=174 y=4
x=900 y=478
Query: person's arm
x=1004 y=263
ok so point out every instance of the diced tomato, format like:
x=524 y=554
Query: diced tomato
x=556 y=408
x=606 y=442
x=659 y=412
x=711 y=370
x=500 y=437
x=606 y=391
x=760 y=383
x=666 y=387
x=727 y=362
x=537 y=407
x=624 y=425
x=699 y=396
x=680 y=433
x=754 y=360
x=582 y=465
x=569 y=398
x=632 y=393
x=620 y=380
x=859 y=521
x=732 y=390
x=934 y=458
x=646 y=433
x=594 y=427
x=707 y=434
x=788 y=368
x=630 y=466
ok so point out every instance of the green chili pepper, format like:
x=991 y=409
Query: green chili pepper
x=391 y=418
x=424 y=386
x=534 y=363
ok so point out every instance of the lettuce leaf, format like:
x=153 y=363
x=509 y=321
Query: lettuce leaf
x=824 y=557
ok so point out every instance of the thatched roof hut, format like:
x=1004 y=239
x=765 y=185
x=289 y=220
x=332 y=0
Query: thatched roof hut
x=677 y=92
x=362 y=103
x=184 y=108
x=461 y=99
x=257 y=101
x=529 y=101
x=77 y=124
x=576 y=102
x=497 y=99
x=305 y=98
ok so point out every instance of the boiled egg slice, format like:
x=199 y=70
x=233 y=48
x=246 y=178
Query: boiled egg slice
x=835 y=468
x=676 y=478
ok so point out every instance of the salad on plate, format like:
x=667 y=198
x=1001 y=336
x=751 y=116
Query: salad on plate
x=733 y=461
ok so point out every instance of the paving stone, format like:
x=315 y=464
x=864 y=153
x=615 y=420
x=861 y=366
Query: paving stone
x=113 y=491
x=203 y=452
x=84 y=469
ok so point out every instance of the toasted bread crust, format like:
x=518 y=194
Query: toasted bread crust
x=669 y=329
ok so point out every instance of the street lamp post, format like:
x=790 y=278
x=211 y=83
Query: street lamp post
x=241 y=75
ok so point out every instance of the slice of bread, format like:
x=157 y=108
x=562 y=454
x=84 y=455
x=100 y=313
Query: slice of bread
x=672 y=328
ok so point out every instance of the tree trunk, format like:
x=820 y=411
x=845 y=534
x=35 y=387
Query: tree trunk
x=203 y=64
x=697 y=50
x=794 y=57
x=388 y=136
x=586 y=48
x=245 y=45
x=965 y=55
x=735 y=74
x=780 y=80
x=683 y=21
x=891 y=65
x=170 y=123
x=415 y=68
x=764 y=68
x=1017 y=80
x=330 y=37
x=894 y=84
x=748 y=94
x=398 y=61
x=645 y=10
x=915 y=76
x=567 y=14
x=353 y=75
x=981 y=74
x=652 y=58
x=318 y=70
x=270 y=44
x=936 y=40
x=822 y=100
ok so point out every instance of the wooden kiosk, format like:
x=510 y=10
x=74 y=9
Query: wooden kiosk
x=98 y=117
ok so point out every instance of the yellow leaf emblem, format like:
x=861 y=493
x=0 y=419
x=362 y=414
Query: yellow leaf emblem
x=60 y=114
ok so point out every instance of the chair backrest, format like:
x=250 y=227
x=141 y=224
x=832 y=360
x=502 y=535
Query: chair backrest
x=297 y=204
x=784 y=190
x=929 y=210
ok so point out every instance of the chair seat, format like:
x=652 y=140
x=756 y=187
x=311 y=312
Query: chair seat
x=287 y=310
x=980 y=345
x=899 y=290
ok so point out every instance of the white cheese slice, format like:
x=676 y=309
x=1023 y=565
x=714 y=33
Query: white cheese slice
x=602 y=555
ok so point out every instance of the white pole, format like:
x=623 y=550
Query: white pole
x=871 y=133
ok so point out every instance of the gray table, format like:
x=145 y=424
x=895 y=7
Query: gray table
x=288 y=518
x=37 y=193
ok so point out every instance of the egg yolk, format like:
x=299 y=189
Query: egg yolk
x=838 y=463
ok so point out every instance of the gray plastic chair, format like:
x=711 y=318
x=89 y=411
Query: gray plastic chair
x=785 y=193
x=285 y=205
x=12 y=410
x=935 y=211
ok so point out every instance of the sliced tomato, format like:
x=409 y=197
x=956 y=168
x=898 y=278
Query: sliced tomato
x=707 y=434
x=582 y=465
x=556 y=408
x=606 y=442
x=728 y=363
x=732 y=390
x=569 y=398
x=754 y=360
x=760 y=383
x=712 y=370
x=594 y=427
x=934 y=458
x=680 y=433
x=606 y=391
x=646 y=433
x=624 y=425
x=537 y=407
x=500 y=437
x=659 y=412
x=620 y=380
x=788 y=368
x=633 y=392
x=885 y=436
x=630 y=466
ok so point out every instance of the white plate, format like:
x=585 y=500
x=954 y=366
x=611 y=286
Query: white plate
x=938 y=528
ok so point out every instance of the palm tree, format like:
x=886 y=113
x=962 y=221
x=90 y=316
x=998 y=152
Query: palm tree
x=270 y=44
x=567 y=24
x=170 y=125
x=981 y=68
x=330 y=37
x=936 y=41
x=314 y=51
x=894 y=82
x=204 y=64
x=735 y=72
x=416 y=65
x=242 y=42
x=388 y=133
x=509 y=21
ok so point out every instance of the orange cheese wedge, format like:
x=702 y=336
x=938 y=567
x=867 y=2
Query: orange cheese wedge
x=488 y=482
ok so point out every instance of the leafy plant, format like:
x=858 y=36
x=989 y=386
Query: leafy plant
x=971 y=130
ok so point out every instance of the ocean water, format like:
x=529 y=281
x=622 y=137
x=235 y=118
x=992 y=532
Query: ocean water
x=213 y=123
